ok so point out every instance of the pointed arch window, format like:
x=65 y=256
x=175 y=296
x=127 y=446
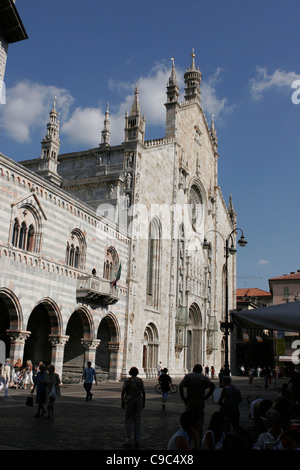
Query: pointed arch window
x=153 y=265
x=76 y=250
x=150 y=350
x=24 y=231
x=111 y=264
x=22 y=237
x=16 y=231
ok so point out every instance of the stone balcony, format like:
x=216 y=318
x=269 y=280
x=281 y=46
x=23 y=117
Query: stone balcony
x=96 y=290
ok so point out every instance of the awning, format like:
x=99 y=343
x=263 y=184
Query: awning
x=284 y=317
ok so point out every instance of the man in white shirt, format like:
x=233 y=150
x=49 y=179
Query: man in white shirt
x=271 y=439
x=89 y=375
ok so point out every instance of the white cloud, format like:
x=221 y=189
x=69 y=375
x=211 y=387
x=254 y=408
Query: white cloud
x=28 y=105
x=152 y=94
x=84 y=126
x=278 y=80
x=263 y=262
x=27 y=108
x=211 y=103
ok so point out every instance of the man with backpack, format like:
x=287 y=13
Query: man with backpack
x=133 y=401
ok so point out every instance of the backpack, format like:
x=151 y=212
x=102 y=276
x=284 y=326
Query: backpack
x=133 y=390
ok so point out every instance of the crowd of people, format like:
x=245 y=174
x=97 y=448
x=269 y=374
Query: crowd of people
x=275 y=424
x=42 y=379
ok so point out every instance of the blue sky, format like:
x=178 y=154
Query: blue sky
x=94 y=52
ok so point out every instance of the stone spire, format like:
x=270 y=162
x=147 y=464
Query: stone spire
x=192 y=79
x=50 y=148
x=134 y=122
x=213 y=132
x=135 y=108
x=172 y=87
x=106 y=132
x=231 y=211
x=172 y=102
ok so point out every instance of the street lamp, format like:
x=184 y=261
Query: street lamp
x=227 y=326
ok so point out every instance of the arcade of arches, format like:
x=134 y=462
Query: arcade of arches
x=42 y=338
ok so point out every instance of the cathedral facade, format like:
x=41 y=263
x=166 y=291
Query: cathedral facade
x=101 y=251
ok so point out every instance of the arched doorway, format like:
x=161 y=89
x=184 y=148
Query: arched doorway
x=102 y=354
x=194 y=337
x=4 y=325
x=150 y=350
x=11 y=323
x=37 y=346
x=78 y=329
x=107 y=354
x=44 y=321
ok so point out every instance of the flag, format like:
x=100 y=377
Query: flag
x=118 y=275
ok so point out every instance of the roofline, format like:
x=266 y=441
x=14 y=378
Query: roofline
x=11 y=26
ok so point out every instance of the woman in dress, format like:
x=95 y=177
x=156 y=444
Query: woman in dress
x=28 y=374
x=52 y=382
x=40 y=386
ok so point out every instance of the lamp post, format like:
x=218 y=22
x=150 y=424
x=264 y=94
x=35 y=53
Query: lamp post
x=227 y=326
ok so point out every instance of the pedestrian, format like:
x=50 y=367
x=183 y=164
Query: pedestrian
x=89 y=375
x=186 y=438
x=28 y=374
x=267 y=376
x=212 y=372
x=52 y=382
x=17 y=371
x=221 y=375
x=270 y=439
x=258 y=371
x=215 y=436
x=192 y=390
x=39 y=384
x=165 y=382
x=5 y=376
x=133 y=401
x=229 y=401
x=206 y=371
x=251 y=375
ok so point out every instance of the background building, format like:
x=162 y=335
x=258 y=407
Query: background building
x=252 y=347
x=285 y=288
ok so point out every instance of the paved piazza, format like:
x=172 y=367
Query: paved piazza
x=99 y=424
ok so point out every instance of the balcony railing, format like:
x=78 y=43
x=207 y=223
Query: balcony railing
x=96 y=290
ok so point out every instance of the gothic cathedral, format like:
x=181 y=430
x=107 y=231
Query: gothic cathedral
x=102 y=253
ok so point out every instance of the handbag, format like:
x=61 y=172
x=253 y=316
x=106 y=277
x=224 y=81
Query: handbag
x=29 y=401
x=52 y=394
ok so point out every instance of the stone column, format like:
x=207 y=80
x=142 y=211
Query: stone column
x=114 y=366
x=58 y=343
x=17 y=344
x=90 y=347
